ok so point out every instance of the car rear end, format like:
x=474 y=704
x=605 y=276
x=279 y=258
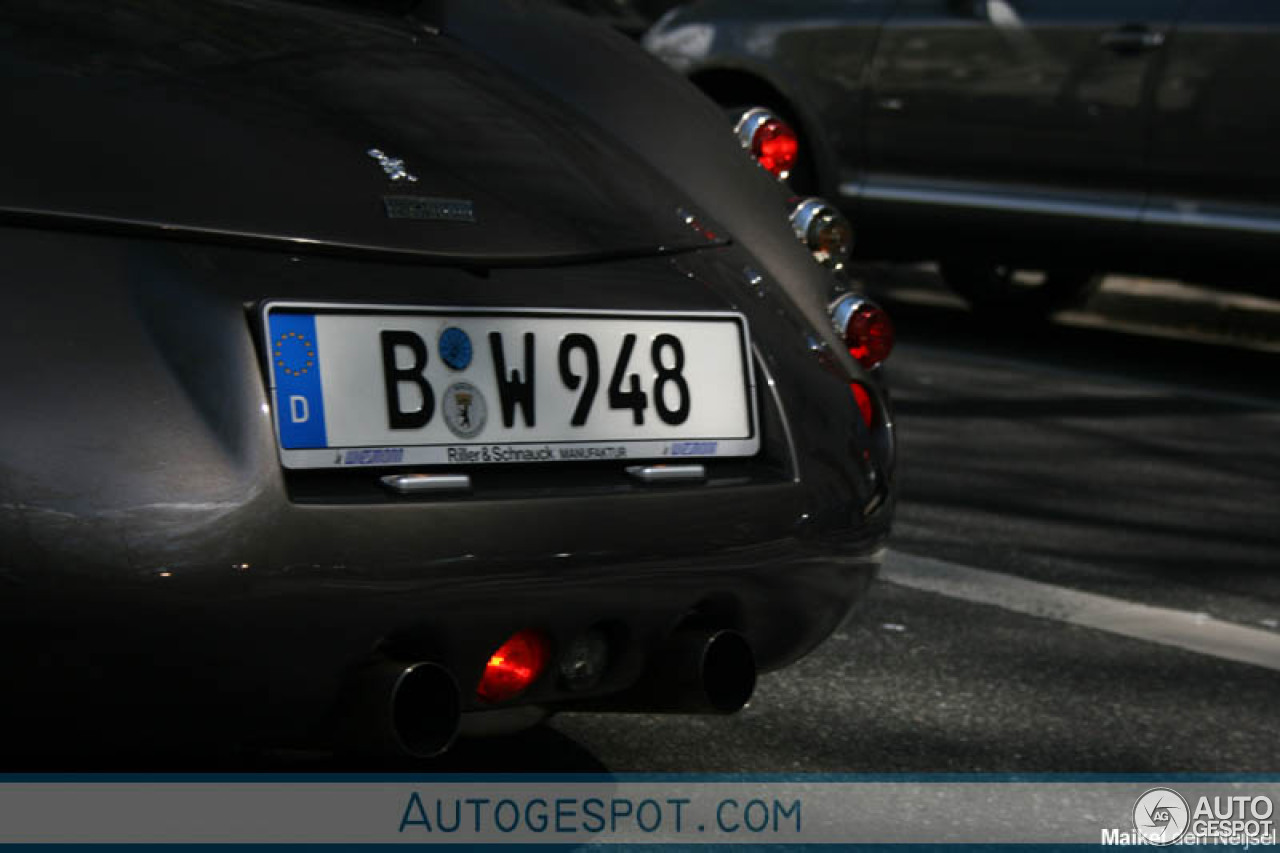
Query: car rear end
x=299 y=437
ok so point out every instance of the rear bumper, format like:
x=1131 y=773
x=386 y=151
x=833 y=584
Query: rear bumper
x=201 y=661
x=157 y=563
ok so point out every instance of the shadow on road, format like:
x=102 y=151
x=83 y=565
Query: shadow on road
x=1131 y=464
x=539 y=750
x=1147 y=339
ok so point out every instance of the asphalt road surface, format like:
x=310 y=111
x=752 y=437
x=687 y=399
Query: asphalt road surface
x=1128 y=482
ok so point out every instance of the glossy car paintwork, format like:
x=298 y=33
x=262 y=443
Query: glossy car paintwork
x=165 y=577
x=1010 y=94
x=624 y=92
x=541 y=187
x=1132 y=134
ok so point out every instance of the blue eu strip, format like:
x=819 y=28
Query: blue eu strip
x=295 y=364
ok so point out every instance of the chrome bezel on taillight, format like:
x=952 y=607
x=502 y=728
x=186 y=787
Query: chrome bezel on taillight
x=749 y=123
x=807 y=220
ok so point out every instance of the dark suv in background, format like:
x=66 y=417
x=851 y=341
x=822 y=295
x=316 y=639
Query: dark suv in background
x=1026 y=145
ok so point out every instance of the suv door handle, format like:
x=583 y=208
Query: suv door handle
x=1132 y=38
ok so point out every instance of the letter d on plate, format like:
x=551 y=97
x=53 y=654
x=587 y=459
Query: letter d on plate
x=295 y=371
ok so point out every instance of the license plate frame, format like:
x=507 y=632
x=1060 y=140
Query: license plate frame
x=338 y=335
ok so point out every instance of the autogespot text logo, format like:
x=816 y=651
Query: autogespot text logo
x=1161 y=816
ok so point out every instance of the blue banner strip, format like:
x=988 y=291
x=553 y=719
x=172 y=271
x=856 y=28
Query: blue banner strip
x=600 y=848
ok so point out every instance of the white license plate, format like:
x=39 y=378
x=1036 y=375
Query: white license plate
x=450 y=386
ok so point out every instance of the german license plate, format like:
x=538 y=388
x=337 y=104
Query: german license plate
x=447 y=386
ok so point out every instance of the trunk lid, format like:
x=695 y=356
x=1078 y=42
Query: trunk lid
x=311 y=125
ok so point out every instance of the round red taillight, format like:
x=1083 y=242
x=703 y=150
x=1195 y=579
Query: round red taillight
x=771 y=141
x=776 y=147
x=514 y=666
x=866 y=329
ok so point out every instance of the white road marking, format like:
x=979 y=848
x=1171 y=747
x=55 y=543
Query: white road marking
x=1196 y=632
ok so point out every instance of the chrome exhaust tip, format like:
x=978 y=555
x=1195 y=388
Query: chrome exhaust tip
x=698 y=671
x=726 y=672
x=397 y=708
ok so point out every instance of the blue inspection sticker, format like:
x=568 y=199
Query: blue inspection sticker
x=295 y=365
x=455 y=348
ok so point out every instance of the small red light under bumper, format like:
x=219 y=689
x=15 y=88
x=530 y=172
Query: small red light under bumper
x=515 y=665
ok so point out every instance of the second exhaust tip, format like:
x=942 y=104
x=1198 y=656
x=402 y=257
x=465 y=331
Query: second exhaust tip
x=697 y=671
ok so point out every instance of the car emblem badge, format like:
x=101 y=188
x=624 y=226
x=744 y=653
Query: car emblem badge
x=464 y=409
x=393 y=166
x=424 y=208
x=455 y=348
x=430 y=209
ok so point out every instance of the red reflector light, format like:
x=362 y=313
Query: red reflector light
x=869 y=335
x=514 y=666
x=865 y=406
x=775 y=147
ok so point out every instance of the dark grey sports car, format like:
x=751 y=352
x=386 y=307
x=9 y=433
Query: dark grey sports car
x=373 y=374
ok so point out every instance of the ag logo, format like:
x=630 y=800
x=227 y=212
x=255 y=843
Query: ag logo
x=464 y=409
x=1161 y=816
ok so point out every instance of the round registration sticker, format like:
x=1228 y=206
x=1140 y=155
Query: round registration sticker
x=464 y=409
x=455 y=348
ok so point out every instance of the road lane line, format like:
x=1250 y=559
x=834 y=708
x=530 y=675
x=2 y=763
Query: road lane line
x=1196 y=632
